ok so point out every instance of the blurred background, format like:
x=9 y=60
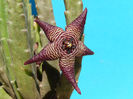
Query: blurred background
x=108 y=74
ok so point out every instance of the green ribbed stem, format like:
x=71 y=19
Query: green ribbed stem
x=50 y=69
x=17 y=46
x=3 y=94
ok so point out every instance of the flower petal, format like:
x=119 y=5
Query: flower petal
x=67 y=66
x=77 y=26
x=83 y=50
x=52 y=32
x=49 y=52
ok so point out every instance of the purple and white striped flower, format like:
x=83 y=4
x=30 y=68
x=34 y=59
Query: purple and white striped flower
x=65 y=45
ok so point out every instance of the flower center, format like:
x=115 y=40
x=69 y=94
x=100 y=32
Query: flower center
x=68 y=45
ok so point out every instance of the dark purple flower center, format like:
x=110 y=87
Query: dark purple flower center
x=68 y=45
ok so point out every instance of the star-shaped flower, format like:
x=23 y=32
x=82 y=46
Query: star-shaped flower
x=65 y=45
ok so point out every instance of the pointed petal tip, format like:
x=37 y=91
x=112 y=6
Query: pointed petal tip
x=85 y=9
x=26 y=63
x=91 y=53
x=88 y=52
x=78 y=90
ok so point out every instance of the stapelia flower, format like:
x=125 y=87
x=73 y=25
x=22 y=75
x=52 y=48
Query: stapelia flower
x=65 y=45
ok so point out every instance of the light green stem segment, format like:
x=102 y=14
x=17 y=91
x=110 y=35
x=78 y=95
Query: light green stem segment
x=73 y=9
x=45 y=13
x=4 y=39
x=3 y=94
x=17 y=43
